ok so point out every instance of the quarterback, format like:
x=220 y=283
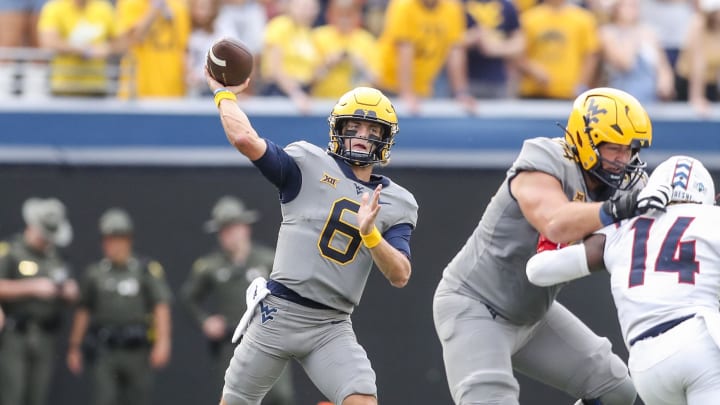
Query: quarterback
x=338 y=219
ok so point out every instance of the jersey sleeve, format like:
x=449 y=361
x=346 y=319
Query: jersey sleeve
x=281 y=169
x=543 y=155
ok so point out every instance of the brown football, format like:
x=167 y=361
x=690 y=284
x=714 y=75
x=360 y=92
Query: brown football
x=229 y=61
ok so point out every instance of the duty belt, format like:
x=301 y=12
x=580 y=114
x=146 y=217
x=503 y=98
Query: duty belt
x=22 y=324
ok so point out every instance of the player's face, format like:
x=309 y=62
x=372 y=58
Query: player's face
x=361 y=135
x=614 y=157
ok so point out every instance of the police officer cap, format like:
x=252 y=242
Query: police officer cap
x=48 y=217
x=116 y=221
x=229 y=210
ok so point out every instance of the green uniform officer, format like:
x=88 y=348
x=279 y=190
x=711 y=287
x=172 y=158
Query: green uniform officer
x=34 y=280
x=222 y=277
x=121 y=329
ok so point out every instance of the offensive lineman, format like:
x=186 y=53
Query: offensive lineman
x=332 y=232
x=489 y=318
x=665 y=280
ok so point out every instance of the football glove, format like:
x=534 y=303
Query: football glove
x=620 y=207
x=653 y=196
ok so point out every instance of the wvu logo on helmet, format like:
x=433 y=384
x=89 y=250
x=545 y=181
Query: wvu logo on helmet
x=593 y=110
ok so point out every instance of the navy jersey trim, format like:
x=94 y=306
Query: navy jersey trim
x=282 y=171
x=398 y=236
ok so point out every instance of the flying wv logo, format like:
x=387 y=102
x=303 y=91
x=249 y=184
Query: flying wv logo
x=593 y=110
x=682 y=173
x=359 y=189
x=266 y=311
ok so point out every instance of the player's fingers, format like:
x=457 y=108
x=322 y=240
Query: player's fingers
x=365 y=197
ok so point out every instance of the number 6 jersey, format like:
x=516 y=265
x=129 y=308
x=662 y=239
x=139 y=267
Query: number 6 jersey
x=319 y=252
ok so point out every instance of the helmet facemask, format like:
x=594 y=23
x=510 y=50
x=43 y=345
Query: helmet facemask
x=343 y=145
x=626 y=175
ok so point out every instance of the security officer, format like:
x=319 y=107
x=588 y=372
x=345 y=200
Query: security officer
x=222 y=277
x=121 y=329
x=34 y=281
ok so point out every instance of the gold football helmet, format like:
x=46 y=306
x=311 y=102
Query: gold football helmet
x=614 y=116
x=364 y=104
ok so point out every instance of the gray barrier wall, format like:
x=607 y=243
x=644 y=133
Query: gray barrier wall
x=169 y=206
x=168 y=162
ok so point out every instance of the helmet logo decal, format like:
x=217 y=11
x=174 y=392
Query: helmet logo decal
x=682 y=173
x=593 y=110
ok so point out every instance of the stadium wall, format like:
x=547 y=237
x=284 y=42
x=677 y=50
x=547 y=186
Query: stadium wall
x=168 y=164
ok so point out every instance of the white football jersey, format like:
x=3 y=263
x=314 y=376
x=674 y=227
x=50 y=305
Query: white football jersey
x=664 y=265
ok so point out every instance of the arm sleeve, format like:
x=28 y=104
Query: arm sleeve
x=282 y=170
x=398 y=236
x=558 y=266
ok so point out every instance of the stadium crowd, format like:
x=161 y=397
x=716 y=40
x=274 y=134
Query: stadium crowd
x=658 y=50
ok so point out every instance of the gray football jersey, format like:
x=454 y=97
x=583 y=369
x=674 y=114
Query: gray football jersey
x=491 y=265
x=319 y=252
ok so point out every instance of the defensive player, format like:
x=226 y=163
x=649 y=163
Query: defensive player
x=665 y=279
x=489 y=318
x=338 y=219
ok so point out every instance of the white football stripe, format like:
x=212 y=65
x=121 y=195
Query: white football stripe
x=216 y=60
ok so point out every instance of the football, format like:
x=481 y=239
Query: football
x=229 y=61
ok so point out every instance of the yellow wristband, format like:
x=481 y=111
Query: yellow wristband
x=372 y=239
x=224 y=95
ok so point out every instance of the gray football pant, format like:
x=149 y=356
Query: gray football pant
x=321 y=340
x=480 y=353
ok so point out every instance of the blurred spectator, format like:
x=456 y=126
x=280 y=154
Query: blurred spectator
x=698 y=66
x=157 y=33
x=494 y=41
x=561 y=55
x=213 y=293
x=121 y=328
x=670 y=19
x=419 y=37
x=633 y=58
x=81 y=34
x=346 y=49
x=35 y=282
x=374 y=16
x=203 y=15
x=245 y=20
x=290 y=59
x=18 y=19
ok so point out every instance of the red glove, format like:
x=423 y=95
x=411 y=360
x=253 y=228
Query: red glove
x=546 y=244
